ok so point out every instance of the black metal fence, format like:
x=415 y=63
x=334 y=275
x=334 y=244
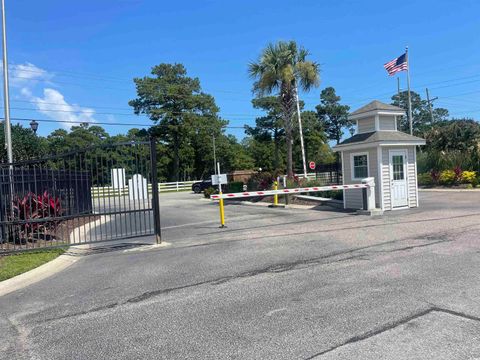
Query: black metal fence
x=91 y=195
x=329 y=174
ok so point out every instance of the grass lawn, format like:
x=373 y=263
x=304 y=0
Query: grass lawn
x=12 y=265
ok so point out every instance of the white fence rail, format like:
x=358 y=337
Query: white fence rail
x=108 y=191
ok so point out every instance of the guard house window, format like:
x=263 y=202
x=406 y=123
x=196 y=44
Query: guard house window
x=359 y=166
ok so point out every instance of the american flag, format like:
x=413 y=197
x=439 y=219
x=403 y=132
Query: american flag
x=396 y=65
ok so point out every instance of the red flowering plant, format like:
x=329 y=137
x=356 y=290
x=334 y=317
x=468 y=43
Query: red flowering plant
x=36 y=214
x=458 y=174
x=435 y=176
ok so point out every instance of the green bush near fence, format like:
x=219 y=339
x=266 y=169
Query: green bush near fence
x=209 y=191
x=234 y=186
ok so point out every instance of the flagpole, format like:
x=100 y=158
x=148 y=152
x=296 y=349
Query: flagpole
x=410 y=120
x=301 y=133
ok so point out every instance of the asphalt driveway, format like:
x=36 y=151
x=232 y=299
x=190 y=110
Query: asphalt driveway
x=275 y=284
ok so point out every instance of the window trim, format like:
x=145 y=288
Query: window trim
x=352 y=163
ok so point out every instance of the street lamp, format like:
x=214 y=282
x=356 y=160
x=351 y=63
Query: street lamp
x=34 y=126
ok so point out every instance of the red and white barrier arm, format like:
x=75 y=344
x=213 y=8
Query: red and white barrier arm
x=287 y=191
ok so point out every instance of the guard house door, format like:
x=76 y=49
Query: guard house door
x=398 y=178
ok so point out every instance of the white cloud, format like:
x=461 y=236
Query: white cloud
x=54 y=106
x=27 y=74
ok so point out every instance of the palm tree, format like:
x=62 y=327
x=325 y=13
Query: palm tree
x=281 y=68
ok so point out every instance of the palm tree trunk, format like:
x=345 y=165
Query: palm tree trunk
x=276 y=160
x=288 y=136
x=287 y=101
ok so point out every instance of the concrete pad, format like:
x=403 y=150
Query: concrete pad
x=436 y=335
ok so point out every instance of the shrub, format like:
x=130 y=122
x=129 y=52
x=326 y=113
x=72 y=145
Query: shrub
x=435 y=176
x=260 y=181
x=36 y=207
x=458 y=174
x=235 y=186
x=468 y=177
x=447 y=177
x=425 y=179
x=209 y=191
x=337 y=195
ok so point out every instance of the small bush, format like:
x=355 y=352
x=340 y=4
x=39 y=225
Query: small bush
x=337 y=195
x=36 y=207
x=469 y=186
x=235 y=186
x=425 y=179
x=209 y=191
x=468 y=177
x=260 y=181
x=447 y=177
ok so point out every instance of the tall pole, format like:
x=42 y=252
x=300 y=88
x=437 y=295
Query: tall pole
x=301 y=132
x=6 y=98
x=398 y=88
x=410 y=120
x=214 y=156
x=429 y=101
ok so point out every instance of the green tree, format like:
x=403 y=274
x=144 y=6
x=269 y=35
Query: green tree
x=454 y=135
x=315 y=139
x=421 y=118
x=269 y=128
x=280 y=68
x=333 y=115
x=176 y=103
x=25 y=144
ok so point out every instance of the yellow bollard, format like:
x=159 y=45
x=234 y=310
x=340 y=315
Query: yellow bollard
x=275 y=197
x=222 y=212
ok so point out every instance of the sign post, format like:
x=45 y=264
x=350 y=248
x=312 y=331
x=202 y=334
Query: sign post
x=220 y=178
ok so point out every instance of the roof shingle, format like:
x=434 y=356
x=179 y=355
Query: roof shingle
x=380 y=136
x=376 y=105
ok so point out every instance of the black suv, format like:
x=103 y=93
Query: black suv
x=198 y=187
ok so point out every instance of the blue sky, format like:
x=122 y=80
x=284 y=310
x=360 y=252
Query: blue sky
x=74 y=61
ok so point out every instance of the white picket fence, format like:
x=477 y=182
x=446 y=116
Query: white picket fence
x=109 y=191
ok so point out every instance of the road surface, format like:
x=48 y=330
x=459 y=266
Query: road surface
x=275 y=284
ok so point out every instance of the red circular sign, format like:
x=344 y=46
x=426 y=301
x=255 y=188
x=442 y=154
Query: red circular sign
x=311 y=164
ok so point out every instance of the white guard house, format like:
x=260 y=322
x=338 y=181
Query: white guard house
x=379 y=150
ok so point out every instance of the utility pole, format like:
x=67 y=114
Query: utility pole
x=429 y=101
x=6 y=98
x=214 y=156
x=301 y=132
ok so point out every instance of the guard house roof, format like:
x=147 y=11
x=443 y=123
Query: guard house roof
x=376 y=107
x=378 y=138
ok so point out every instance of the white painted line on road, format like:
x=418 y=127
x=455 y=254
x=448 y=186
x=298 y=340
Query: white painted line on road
x=147 y=247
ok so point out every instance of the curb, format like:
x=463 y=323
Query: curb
x=37 y=274
x=449 y=190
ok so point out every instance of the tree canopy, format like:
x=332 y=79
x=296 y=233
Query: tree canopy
x=280 y=69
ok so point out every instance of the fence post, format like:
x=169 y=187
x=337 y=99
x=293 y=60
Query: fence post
x=177 y=186
x=155 y=197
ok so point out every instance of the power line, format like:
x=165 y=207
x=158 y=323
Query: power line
x=83 y=112
x=111 y=123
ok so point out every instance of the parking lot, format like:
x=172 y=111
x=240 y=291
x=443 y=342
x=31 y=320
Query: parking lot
x=274 y=284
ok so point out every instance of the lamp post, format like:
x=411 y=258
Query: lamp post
x=34 y=126
x=8 y=128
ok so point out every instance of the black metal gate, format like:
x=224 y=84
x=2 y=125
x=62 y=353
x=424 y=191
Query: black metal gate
x=91 y=195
